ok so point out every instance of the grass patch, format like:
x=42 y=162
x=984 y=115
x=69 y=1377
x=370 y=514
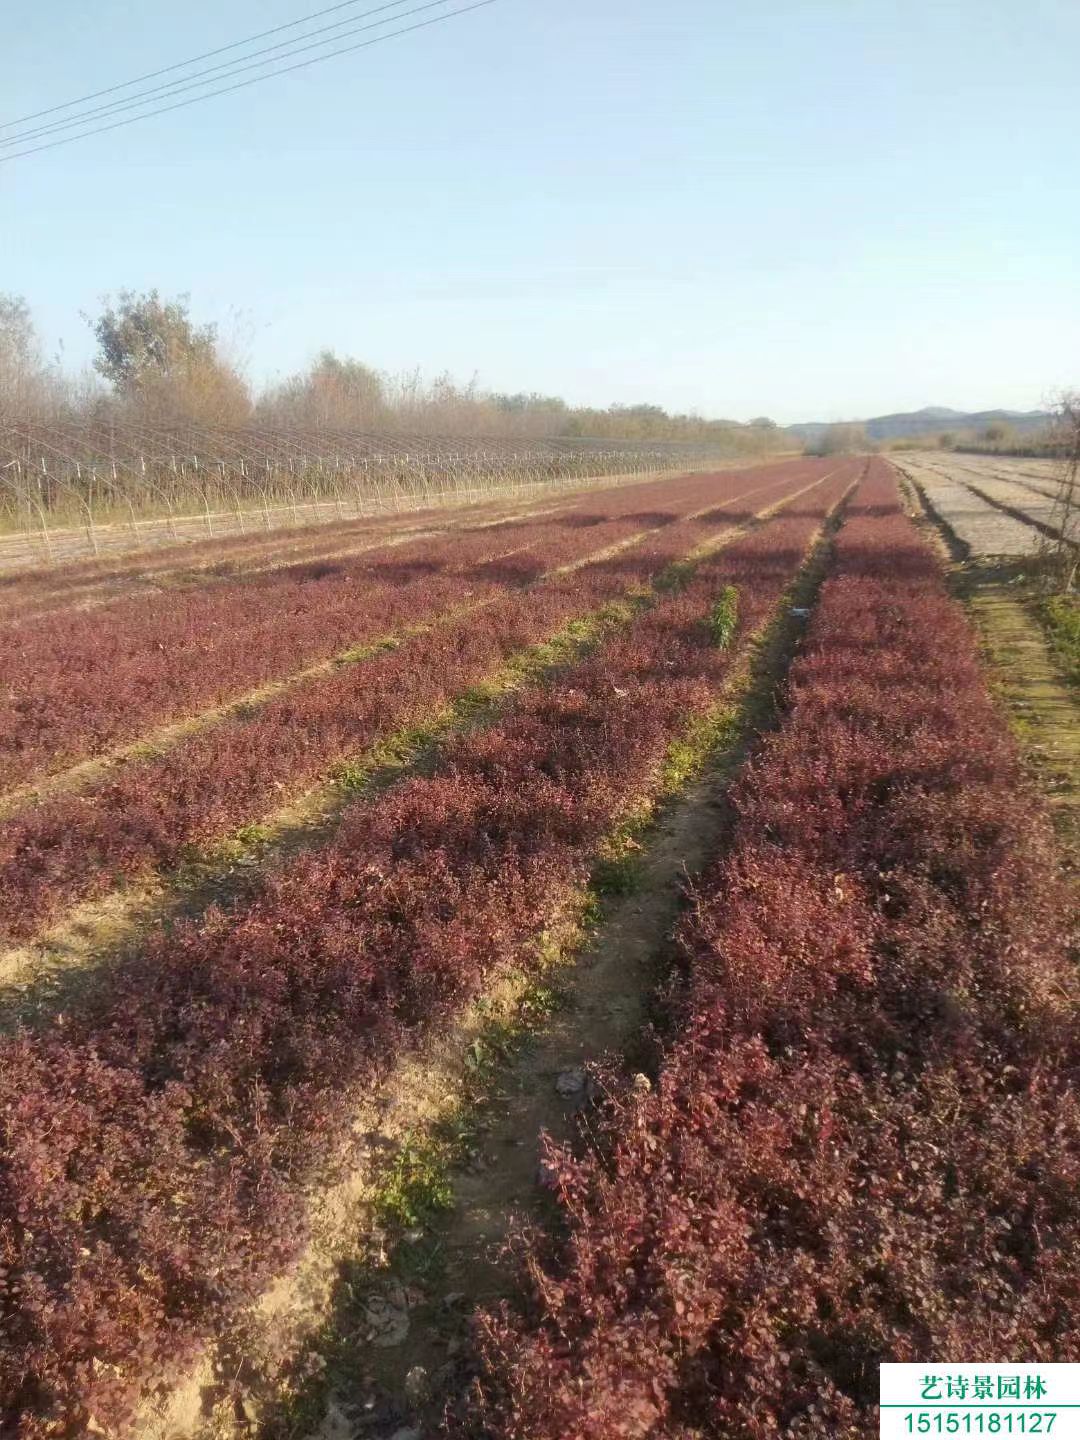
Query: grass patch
x=377 y=647
x=688 y=754
x=253 y=835
x=619 y=874
x=394 y=753
x=1060 y=617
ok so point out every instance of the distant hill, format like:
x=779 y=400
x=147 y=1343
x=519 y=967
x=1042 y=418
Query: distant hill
x=929 y=420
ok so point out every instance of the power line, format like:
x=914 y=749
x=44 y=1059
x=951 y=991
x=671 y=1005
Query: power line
x=230 y=67
x=243 y=84
x=181 y=64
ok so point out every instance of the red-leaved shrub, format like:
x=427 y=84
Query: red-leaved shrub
x=145 y=815
x=76 y=683
x=864 y=1144
x=156 y=1142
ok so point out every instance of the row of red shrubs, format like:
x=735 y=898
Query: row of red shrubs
x=146 y=815
x=155 y=1144
x=78 y=682
x=27 y=593
x=864 y=1144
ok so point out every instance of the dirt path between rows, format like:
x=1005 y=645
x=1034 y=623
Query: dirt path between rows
x=604 y=1011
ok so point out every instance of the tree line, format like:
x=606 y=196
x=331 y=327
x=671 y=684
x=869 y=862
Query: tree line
x=155 y=365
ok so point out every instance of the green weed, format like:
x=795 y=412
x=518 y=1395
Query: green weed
x=415 y=1189
x=618 y=875
x=724 y=617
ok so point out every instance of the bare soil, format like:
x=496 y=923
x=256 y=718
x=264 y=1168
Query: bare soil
x=1021 y=669
x=980 y=527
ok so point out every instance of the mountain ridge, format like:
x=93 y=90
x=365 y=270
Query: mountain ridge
x=925 y=421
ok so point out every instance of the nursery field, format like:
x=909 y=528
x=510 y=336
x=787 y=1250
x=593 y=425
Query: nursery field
x=992 y=506
x=308 y=842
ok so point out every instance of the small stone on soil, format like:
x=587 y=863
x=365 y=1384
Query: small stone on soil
x=336 y=1425
x=571 y=1082
x=547 y=1177
x=417 y=1386
x=388 y=1317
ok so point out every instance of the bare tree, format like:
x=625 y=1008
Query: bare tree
x=1062 y=548
x=842 y=440
x=998 y=435
x=28 y=387
x=334 y=394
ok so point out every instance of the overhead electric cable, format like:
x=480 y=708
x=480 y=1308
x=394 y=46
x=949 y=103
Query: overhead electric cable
x=230 y=67
x=180 y=64
x=243 y=84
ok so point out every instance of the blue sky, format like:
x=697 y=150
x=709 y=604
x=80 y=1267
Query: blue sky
x=804 y=208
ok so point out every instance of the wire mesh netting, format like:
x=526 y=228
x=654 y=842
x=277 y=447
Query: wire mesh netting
x=66 y=487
